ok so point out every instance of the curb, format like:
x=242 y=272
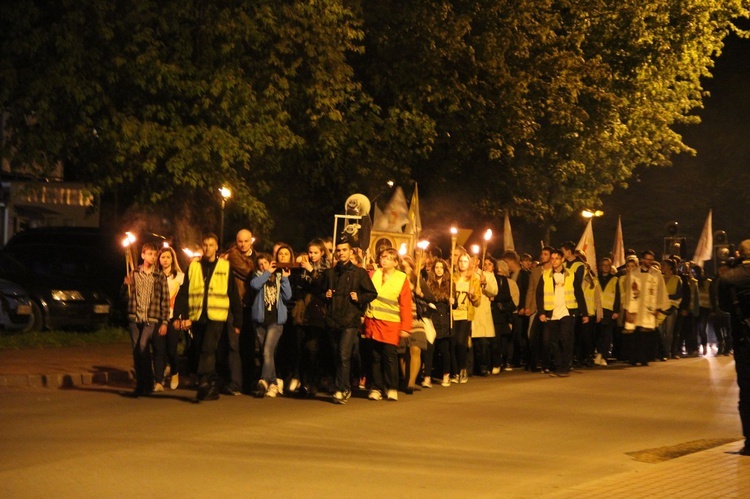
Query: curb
x=64 y=380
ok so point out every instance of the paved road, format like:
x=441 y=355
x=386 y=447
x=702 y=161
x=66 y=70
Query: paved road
x=516 y=435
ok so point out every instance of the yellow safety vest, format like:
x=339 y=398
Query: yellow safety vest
x=673 y=287
x=589 y=294
x=609 y=293
x=549 y=290
x=385 y=307
x=704 y=294
x=218 y=291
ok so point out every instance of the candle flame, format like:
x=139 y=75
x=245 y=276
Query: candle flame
x=475 y=249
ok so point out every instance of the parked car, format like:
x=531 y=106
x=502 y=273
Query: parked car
x=15 y=307
x=58 y=300
x=88 y=260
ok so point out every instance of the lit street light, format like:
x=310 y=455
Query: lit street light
x=225 y=194
x=591 y=214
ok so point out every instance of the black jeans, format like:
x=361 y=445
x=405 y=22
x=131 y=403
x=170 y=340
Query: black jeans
x=165 y=352
x=211 y=334
x=461 y=332
x=561 y=342
x=383 y=365
x=343 y=343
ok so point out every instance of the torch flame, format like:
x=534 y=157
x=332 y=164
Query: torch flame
x=402 y=249
x=423 y=244
x=488 y=235
x=475 y=249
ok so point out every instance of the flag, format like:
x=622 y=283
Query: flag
x=507 y=235
x=704 y=250
x=395 y=214
x=414 y=226
x=618 y=249
x=379 y=222
x=586 y=246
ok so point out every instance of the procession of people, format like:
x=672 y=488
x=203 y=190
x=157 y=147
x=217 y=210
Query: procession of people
x=333 y=321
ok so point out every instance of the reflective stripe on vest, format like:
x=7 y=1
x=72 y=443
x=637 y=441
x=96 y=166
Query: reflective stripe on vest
x=385 y=307
x=673 y=288
x=549 y=290
x=609 y=293
x=217 y=306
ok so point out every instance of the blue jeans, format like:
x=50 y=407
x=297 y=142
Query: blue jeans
x=269 y=337
x=343 y=343
x=141 y=335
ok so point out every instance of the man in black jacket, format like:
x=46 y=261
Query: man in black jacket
x=349 y=290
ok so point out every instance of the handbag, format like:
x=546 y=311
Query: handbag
x=429 y=330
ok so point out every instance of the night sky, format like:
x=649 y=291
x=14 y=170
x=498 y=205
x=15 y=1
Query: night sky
x=717 y=178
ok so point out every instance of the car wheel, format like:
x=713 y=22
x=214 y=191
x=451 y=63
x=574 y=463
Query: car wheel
x=36 y=323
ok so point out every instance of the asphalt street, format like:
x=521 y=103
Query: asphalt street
x=515 y=435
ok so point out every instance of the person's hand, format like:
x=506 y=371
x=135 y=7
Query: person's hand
x=236 y=330
x=615 y=315
x=163 y=330
x=128 y=281
x=329 y=293
x=286 y=272
x=353 y=296
x=542 y=318
x=405 y=334
x=585 y=319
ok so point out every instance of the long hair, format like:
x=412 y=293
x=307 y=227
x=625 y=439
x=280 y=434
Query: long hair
x=440 y=289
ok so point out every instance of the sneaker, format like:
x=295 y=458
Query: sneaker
x=341 y=397
x=464 y=377
x=454 y=378
x=228 y=390
x=174 y=383
x=272 y=391
x=509 y=368
x=446 y=380
x=427 y=383
x=598 y=359
x=375 y=395
x=496 y=370
x=167 y=371
x=362 y=383
x=392 y=395
x=158 y=387
x=262 y=387
x=293 y=385
x=280 y=386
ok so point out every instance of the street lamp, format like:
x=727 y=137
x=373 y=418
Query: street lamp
x=225 y=194
x=591 y=214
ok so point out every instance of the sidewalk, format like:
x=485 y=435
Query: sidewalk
x=66 y=366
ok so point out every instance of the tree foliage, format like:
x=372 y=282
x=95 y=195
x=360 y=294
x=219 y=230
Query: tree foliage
x=534 y=106
x=542 y=106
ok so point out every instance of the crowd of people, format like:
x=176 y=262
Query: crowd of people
x=325 y=324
